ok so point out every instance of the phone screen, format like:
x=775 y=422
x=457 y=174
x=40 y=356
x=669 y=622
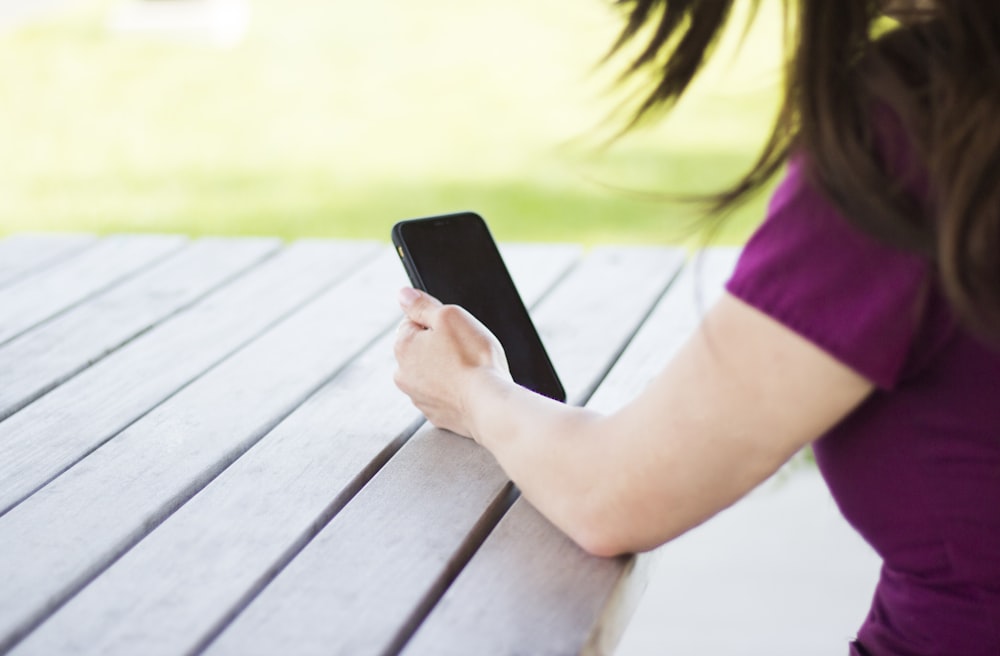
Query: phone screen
x=455 y=259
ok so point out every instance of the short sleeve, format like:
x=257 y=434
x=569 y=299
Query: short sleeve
x=811 y=270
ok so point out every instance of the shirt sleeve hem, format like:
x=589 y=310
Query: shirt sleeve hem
x=881 y=379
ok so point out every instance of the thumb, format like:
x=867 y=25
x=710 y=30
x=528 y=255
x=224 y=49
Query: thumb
x=419 y=307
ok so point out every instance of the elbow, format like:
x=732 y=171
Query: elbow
x=600 y=533
x=601 y=546
x=598 y=503
x=615 y=536
x=609 y=521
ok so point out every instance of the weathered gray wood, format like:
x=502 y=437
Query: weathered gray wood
x=72 y=529
x=40 y=359
x=547 y=596
x=619 y=605
x=537 y=268
x=669 y=326
x=24 y=254
x=58 y=429
x=357 y=587
x=543 y=605
x=172 y=589
x=36 y=298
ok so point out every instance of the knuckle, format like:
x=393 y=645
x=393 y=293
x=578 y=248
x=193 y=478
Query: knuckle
x=423 y=305
x=404 y=336
x=450 y=313
x=399 y=379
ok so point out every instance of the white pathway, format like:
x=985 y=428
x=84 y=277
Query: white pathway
x=780 y=573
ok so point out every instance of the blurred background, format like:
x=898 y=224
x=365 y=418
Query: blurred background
x=319 y=118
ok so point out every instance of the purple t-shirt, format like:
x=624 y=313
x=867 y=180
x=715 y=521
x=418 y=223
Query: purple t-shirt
x=916 y=468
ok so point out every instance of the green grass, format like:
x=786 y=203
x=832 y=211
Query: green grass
x=336 y=119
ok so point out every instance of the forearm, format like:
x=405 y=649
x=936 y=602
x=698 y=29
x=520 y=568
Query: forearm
x=601 y=479
x=555 y=453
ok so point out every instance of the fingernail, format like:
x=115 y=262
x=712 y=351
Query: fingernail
x=407 y=296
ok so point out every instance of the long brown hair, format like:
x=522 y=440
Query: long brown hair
x=934 y=68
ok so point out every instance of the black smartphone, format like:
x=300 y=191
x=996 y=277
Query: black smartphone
x=454 y=258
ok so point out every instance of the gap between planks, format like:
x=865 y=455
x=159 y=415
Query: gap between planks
x=42 y=297
x=23 y=255
x=39 y=360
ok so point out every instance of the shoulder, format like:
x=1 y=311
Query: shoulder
x=810 y=268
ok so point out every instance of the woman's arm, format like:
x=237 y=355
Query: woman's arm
x=739 y=399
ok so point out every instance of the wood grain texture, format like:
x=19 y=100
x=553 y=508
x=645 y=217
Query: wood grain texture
x=24 y=254
x=51 y=434
x=36 y=298
x=547 y=596
x=72 y=529
x=544 y=594
x=171 y=591
x=366 y=577
x=668 y=327
x=40 y=359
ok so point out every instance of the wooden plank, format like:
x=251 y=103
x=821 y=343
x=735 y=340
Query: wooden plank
x=173 y=589
x=41 y=296
x=669 y=326
x=546 y=595
x=358 y=586
x=537 y=268
x=69 y=531
x=559 y=594
x=24 y=254
x=41 y=359
x=51 y=434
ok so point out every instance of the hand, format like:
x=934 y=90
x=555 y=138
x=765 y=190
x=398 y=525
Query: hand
x=441 y=350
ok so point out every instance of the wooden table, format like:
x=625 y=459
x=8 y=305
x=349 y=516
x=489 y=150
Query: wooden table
x=202 y=451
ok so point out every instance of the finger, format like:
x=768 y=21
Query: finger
x=404 y=334
x=419 y=307
x=404 y=325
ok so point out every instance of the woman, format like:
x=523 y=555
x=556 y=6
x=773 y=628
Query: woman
x=863 y=317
